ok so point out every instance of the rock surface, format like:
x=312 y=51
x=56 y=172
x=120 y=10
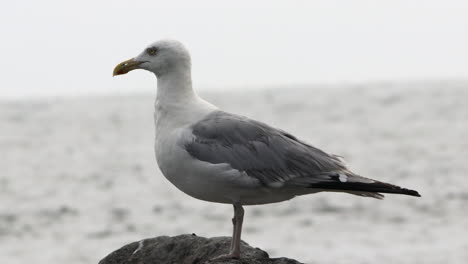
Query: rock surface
x=187 y=249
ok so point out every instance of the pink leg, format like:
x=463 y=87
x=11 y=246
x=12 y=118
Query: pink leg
x=237 y=221
x=239 y=216
x=234 y=227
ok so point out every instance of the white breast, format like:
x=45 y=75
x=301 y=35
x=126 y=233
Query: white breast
x=196 y=178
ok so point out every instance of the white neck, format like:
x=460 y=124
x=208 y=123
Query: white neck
x=176 y=104
x=175 y=88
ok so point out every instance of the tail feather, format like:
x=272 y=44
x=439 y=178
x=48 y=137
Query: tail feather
x=358 y=185
x=374 y=187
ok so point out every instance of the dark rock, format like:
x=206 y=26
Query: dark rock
x=188 y=249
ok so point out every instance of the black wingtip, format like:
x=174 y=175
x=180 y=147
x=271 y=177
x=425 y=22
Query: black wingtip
x=410 y=192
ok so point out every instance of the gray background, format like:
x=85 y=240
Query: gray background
x=56 y=47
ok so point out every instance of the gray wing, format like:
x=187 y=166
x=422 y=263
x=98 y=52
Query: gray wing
x=266 y=153
x=274 y=157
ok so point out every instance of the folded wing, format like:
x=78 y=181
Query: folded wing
x=275 y=158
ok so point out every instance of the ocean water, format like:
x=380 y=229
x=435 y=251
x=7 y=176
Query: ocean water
x=79 y=177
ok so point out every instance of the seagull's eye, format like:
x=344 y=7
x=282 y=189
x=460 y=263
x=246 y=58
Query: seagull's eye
x=151 y=51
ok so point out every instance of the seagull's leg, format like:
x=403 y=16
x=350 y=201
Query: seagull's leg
x=236 y=239
x=236 y=234
x=234 y=227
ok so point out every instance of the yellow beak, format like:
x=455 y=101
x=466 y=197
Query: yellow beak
x=126 y=66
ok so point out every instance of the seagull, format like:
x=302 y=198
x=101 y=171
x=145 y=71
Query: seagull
x=220 y=157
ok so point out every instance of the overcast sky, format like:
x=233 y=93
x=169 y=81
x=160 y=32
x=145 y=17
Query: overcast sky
x=70 y=47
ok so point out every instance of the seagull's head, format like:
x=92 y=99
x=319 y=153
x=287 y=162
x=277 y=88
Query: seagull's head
x=161 y=57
